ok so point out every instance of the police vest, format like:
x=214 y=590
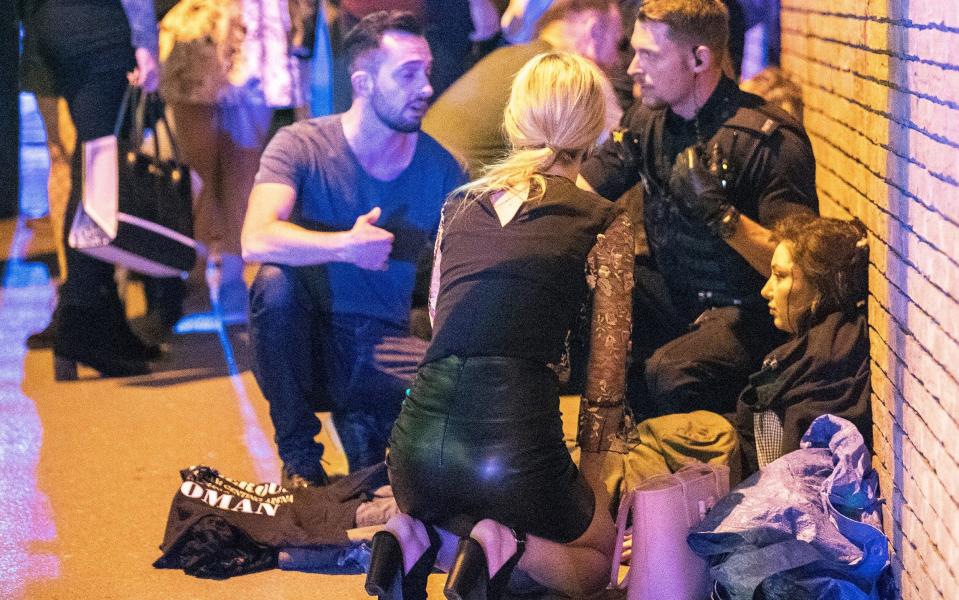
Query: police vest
x=700 y=269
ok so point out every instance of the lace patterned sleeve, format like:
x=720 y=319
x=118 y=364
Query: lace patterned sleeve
x=610 y=275
x=435 y=274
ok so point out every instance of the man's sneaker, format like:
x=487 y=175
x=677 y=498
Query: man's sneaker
x=292 y=478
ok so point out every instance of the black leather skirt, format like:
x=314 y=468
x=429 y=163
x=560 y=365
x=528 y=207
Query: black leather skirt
x=482 y=438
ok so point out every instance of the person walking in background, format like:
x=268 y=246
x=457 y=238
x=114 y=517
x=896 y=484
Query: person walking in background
x=468 y=118
x=90 y=46
x=226 y=66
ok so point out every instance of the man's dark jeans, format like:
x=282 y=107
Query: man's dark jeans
x=305 y=360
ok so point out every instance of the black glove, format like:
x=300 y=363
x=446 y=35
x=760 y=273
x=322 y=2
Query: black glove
x=627 y=147
x=699 y=187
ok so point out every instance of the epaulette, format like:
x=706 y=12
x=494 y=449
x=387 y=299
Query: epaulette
x=763 y=121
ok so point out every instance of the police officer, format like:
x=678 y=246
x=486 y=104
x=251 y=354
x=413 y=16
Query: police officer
x=718 y=167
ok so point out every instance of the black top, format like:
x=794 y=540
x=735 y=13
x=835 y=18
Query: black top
x=774 y=175
x=824 y=371
x=516 y=290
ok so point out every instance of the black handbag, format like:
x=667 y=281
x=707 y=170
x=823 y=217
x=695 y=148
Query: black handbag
x=137 y=208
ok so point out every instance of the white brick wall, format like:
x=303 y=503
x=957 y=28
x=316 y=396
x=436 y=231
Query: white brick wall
x=880 y=80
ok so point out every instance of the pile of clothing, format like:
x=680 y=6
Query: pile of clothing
x=807 y=525
x=219 y=527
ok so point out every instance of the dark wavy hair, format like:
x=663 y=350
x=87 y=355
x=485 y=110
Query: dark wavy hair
x=366 y=36
x=833 y=255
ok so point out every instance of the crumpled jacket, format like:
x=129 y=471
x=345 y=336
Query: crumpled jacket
x=806 y=526
x=824 y=371
x=220 y=527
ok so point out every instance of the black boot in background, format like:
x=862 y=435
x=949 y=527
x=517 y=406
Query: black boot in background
x=89 y=336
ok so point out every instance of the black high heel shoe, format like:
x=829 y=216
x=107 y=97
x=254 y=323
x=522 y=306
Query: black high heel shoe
x=469 y=578
x=125 y=341
x=386 y=579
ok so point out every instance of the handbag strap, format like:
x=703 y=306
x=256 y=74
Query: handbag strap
x=132 y=111
x=137 y=118
x=625 y=506
x=124 y=107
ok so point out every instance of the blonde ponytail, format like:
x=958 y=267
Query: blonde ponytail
x=556 y=111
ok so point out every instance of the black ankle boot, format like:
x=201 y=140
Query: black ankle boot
x=469 y=578
x=88 y=336
x=386 y=580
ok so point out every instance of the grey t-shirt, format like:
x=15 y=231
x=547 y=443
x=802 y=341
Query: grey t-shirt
x=332 y=190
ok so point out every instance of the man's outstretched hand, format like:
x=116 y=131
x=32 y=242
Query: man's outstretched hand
x=368 y=246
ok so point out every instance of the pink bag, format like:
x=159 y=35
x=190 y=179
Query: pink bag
x=664 y=509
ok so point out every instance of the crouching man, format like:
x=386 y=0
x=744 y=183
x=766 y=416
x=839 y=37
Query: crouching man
x=342 y=209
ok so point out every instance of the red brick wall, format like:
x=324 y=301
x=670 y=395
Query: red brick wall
x=881 y=84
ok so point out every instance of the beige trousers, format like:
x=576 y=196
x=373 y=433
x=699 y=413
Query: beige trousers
x=663 y=445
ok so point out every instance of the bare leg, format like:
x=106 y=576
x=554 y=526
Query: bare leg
x=412 y=536
x=198 y=133
x=240 y=142
x=582 y=566
x=61 y=141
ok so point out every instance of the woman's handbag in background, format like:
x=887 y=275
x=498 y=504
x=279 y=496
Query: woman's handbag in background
x=136 y=209
x=664 y=508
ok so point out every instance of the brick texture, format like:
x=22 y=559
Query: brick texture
x=880 y=81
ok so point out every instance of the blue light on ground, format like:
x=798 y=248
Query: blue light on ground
x=34 y=159
x=25 y=303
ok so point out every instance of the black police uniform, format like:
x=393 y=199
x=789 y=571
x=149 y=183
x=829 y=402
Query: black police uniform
x=694 y=359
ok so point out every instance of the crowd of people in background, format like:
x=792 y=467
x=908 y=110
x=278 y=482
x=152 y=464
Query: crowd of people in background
x=509 y=200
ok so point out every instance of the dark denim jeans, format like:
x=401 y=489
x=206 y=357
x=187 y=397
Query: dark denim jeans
x=306 y=360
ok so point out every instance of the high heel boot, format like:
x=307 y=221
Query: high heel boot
x=470 y=579
x=386 y=578
x=87 y=336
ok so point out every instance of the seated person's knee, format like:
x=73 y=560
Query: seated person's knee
x=666 y=375
x=273 y=289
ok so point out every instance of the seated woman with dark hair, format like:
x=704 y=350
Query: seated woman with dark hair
x=816 y=292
